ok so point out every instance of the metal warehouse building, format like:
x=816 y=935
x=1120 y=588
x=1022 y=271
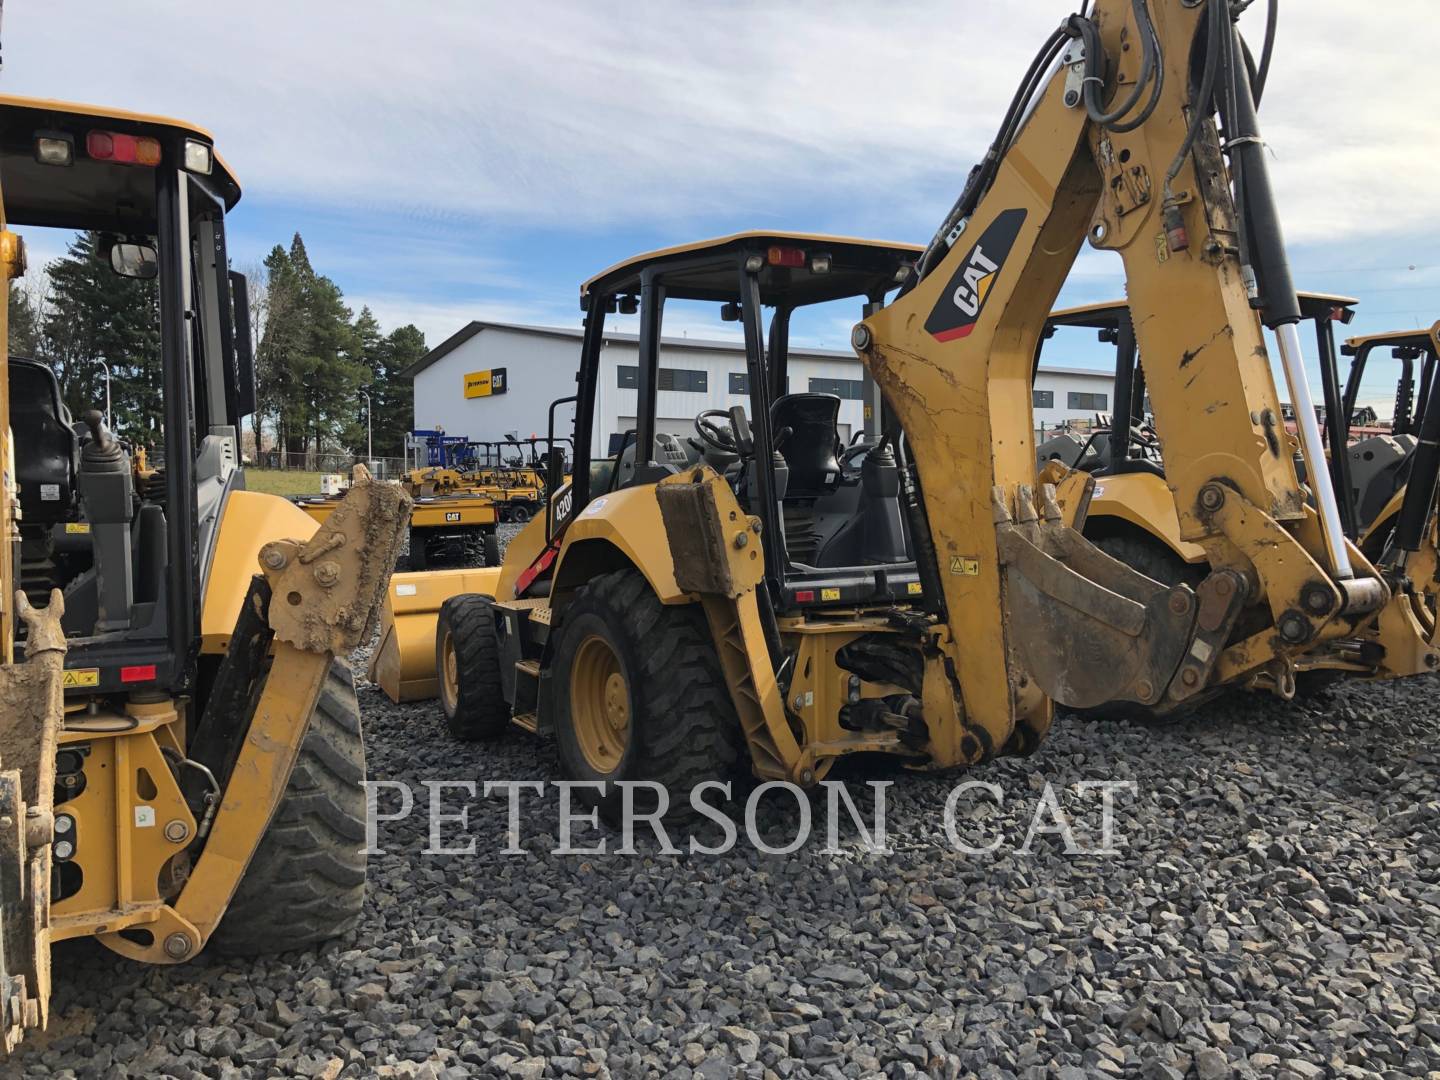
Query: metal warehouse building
x=494 y=380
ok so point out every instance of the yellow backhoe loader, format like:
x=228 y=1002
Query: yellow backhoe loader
x=1377 y=464
x=181 y=760
x=671 y=614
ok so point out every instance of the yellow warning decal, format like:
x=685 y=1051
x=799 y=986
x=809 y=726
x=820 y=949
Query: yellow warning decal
x=77 y=526
x=914 y=588
x=964 y=566
x=82 y=677
x=829 y=594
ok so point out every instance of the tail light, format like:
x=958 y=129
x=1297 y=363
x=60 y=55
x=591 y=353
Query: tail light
x=123 y=149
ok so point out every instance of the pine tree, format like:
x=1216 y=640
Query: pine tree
x=393 y=394
x=25 y=336
x=95 y=314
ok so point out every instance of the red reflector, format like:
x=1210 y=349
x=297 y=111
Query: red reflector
x=805 y=596
x=785 y=256
x=138 y=673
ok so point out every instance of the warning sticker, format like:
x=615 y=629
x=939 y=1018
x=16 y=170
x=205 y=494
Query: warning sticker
x=964 y=566
x=829 y=594
x=49 y=492
x=77 y=526
x=82 y=677
x=913 y=588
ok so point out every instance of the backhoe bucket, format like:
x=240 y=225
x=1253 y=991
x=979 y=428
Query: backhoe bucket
x=32 y=709
x=1086 y=628
x=403 y=663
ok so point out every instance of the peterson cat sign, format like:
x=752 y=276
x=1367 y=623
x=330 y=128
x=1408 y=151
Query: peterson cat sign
x=485 y=383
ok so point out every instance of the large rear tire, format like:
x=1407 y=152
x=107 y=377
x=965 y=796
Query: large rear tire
x=467 y=668
x=640 y=695
x=306 y=881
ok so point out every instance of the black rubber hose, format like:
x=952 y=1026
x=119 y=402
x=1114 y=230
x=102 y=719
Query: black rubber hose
x=1267 y=51
x=1151 y=66
x=1203 y=107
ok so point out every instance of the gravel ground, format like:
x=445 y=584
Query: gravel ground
x=1274 y=911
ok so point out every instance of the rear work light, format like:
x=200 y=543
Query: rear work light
x=785 y=256
x=198 y=157
x=123 y=149
x=54 y=148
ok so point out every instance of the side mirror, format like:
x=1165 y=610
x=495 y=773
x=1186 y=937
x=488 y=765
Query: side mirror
x=134 y=260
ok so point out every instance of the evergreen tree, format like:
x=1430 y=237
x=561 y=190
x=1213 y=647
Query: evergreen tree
x=95 y=314
x=25 y=338
x=393 y=394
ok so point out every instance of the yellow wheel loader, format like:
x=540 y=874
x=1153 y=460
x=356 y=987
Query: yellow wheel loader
x=679 y=609
x=181 y=761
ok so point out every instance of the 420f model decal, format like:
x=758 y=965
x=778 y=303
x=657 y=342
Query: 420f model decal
x=964 y=298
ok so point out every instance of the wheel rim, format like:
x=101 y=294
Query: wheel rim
x=449 y=671
x=599 y=704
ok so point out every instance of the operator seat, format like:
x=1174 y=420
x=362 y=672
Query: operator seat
x=44 y=442
x=812 y=447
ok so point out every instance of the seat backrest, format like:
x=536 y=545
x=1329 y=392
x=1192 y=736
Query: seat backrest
x=44 y=443
x=812 y=448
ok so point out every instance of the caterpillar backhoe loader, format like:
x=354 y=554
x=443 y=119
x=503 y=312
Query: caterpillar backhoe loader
x=668 y=616
x=180 y=753
x=1377 y=466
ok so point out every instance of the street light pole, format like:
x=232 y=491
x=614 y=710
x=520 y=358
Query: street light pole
x=369 y=427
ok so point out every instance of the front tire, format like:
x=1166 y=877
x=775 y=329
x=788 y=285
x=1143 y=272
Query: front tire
x=639 y=695
x=306 y=881
x=467 y=668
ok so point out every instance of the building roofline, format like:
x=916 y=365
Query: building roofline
x=474 y=327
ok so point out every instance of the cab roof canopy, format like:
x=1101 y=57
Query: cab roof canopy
x=90 y=193
x=709 y=270
x=1106 y=314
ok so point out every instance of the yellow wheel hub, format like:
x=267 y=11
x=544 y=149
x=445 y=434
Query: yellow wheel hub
x=449 y=671
x=599 y=704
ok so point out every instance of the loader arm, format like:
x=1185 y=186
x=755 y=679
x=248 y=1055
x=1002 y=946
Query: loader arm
x=1026 y=609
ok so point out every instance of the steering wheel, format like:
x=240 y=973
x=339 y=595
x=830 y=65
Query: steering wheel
x=713 y=435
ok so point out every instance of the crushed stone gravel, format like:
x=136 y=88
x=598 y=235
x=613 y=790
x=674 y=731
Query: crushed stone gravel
x=1273 y=911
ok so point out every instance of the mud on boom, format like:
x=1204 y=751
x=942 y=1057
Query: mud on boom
x=761 y=591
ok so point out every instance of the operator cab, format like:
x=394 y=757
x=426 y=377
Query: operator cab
x=1379 y=460
x=128 y=543
x=1114 y=445
x=827 y=489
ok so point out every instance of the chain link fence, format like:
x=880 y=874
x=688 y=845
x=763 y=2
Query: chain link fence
x=384 y=468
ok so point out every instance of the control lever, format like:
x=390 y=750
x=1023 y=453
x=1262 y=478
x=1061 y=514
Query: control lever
x=740 y=428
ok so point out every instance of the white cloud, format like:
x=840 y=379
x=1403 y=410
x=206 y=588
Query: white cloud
x=585 y=114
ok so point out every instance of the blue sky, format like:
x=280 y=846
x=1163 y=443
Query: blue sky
x=448 y=161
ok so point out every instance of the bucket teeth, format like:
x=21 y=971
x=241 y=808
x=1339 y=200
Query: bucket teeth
x=1025 y=505
x=1000 y=505
x=1049 y=506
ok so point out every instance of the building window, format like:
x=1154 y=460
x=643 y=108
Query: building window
x=1042 y=399
x=1087 y=401
x=627 y=376
x=1098 y=402
x=845 y=389
x=740 y=382
x=685 y=380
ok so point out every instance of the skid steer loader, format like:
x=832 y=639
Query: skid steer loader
x=180 y=752
x=668 y=617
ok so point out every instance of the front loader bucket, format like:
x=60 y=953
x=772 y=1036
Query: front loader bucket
x=32 y=710
x=1086 y=628
x=403 y=663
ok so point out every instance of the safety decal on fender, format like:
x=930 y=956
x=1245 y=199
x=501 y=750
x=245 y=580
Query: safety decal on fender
x=964 y=298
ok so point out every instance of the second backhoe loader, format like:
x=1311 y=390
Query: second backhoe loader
x=181 y=758
x=668 y=615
